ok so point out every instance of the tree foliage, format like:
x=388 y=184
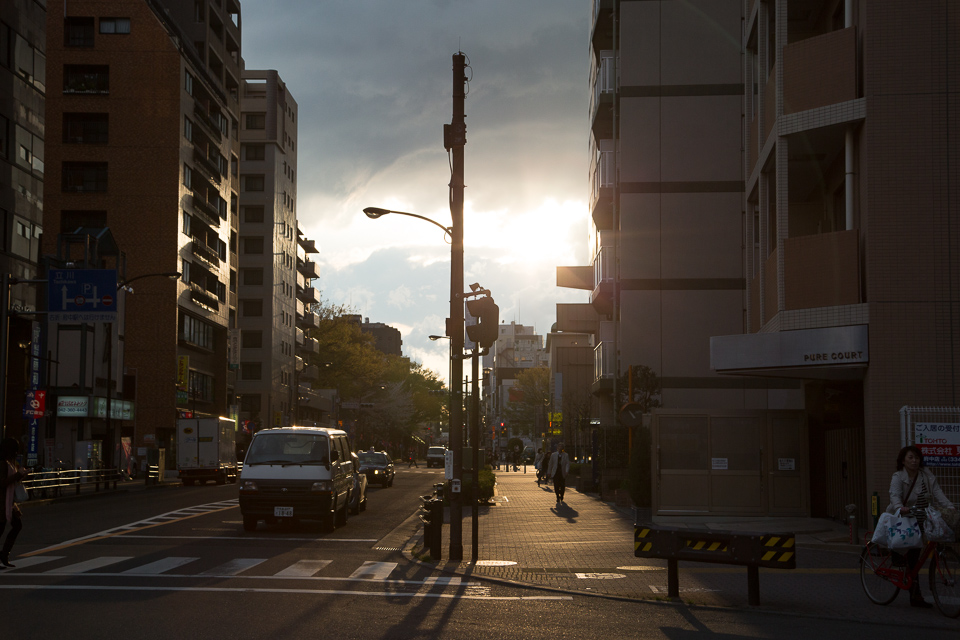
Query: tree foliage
x=395 y=394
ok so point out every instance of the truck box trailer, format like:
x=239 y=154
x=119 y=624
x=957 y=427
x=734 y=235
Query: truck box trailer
x=206 y=450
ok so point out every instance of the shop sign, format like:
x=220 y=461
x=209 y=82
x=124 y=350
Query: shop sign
x=73 y=406
x=939 y=442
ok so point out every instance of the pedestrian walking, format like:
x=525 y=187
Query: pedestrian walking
x=558 y=470
x=11 y=476
x=412 y=460
x=538 y=465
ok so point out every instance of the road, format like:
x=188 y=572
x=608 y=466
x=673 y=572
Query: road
x=176 y=563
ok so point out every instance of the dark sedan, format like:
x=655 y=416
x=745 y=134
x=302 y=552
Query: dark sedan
x=377 y=466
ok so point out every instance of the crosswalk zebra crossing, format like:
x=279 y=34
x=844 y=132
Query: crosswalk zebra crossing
x=185 y=567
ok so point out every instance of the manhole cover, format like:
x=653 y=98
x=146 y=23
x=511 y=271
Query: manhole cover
x=494 y=563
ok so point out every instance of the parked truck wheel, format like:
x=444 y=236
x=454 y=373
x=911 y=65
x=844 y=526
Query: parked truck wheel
x=222 y=478
x=249 y=523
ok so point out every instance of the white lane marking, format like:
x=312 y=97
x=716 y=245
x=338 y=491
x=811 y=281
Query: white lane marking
x=90 y=565
x=164 y=564
x=443 y=580
x=374 y=570
x=599 y=576
x=383 y=594
x=23 y=563
x=303 y=569
x=657 y=589
x=233 y=567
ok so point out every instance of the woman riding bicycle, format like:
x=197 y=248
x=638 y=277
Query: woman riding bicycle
x=912 y=489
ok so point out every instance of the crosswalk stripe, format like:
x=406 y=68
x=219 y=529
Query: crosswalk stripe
x=303 y=568
x=164 y=564
x=374 y=570
x=32 y=561
x=441 y=580
x=234 y=567
x=90 y=565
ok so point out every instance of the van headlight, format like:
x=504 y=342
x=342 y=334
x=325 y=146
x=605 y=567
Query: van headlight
x=323 y=485
x=248 y=486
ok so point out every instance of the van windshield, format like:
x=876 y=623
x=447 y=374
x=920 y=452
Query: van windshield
x=288 y=448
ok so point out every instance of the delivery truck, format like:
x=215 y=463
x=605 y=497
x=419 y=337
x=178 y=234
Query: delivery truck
x=206 y=450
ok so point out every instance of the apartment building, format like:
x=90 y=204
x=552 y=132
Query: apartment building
x=518 y=347
x=775 y=238
x=22 y=93
x=142 y=118
x=275 y=291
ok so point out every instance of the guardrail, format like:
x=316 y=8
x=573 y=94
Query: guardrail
x=52 y=484
x=753 y=550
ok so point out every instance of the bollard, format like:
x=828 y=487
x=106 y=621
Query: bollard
x=852 y=522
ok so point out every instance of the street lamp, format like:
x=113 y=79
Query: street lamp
x=376 y=212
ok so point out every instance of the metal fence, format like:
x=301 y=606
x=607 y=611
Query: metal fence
x=936 y=431
x=52 y=484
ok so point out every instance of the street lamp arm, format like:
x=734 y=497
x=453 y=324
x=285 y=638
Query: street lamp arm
x=165 y=274
x=375 y=212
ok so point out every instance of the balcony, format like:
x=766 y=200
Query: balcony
x=604 y=367
x=603 y=181
x=203 y=297
x=308 y=269
x=604 y=274
x=310 y=373
x=208 y=167
x=577 y=318
x=575 y=278
x=209 y=125
x=307 y=294
x=821 y=270
x=602 y=26
x=207 y=211
x=307 y=320
x=820 y=71
x=309 y=246
x=205 y=253
x=309 y=345
x=604 y=83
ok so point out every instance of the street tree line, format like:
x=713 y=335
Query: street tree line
x=395 y=395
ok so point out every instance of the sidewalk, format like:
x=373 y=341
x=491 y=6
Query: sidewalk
x=585 y=546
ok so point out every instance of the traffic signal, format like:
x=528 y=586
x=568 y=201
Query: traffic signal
x=487 y=313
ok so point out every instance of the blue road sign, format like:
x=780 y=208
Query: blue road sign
x=82 y=295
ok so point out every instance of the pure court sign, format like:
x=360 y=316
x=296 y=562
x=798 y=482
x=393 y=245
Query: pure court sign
x=82 y=295
x=939 y=442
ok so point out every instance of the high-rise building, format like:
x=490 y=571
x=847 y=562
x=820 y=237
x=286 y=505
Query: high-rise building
x=273 y=291
x=775 y=238
x=22 y=92
x=143 y=138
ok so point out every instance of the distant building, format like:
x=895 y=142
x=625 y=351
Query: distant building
x=388 y=339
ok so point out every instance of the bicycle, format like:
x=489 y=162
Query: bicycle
x=884 y=574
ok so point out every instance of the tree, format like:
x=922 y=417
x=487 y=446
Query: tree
x=646 y=393
x=529 y=401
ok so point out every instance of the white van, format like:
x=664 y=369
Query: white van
x=297 y=473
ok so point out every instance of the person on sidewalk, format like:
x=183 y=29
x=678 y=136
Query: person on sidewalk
x=412 y=460
x=558 y=470
x=538 y=465
x=11 y=475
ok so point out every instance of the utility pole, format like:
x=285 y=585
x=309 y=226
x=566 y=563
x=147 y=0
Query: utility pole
x=455 y=137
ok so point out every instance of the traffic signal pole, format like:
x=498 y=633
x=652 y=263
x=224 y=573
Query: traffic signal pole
x=475 y=453
x=456 y=140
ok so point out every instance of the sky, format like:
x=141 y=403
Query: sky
x=373 y=83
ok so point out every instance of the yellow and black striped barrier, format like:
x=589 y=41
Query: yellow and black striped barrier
x=752 y=550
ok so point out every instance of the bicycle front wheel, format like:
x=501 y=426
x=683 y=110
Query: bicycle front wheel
x=876 y=563
x=945 y=581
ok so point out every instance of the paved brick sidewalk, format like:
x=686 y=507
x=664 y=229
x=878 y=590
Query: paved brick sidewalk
x=586 y=546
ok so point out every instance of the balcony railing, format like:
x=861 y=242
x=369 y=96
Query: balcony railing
x=307 y=294
x=604 y=273
x=207 y=210
x=604 y=80
x=205 y=253
x=206 y=165
x=822 y=270
x=820 y=71
x=206 y=121
x=604 y=361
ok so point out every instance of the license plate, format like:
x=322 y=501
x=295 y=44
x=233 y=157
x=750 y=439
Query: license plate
x=283 y=512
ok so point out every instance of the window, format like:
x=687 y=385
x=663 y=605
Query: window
x=253 y=152
x=196 y=332
x=252 y=276
x=251 y=308
x=250 y=403
x=251 y=339
x=251 y=370
x=188 y=82
x=78 y=32
x=253 y=183
x=201 y=386
x=187 y=220
x=234 y=163
x=115 y=25
x=86 y=78
x=252 y=245
x=256 y=121
x=85 y=128
x=187 y=128
x=88 y=177
x=187 y=176
x=252 y=214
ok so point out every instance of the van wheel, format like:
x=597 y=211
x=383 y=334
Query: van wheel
x=249 y=523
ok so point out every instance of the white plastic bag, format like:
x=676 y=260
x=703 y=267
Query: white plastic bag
x=936 y=527
x=885 y=521
x=897 y=532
